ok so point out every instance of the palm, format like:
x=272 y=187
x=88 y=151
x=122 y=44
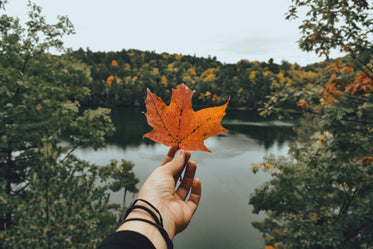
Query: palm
x=159 y=189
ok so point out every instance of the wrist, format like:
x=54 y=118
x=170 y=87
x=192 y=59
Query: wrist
x=146 y=229
x=144 y=218
x=168 y=222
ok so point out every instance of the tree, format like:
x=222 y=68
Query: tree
x=48 y=197
x=341 y=25
x=123 y=177
x=320 y=196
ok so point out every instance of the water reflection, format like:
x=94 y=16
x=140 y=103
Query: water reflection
x=131 y=126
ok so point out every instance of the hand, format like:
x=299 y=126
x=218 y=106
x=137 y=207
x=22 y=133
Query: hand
x=159 y=190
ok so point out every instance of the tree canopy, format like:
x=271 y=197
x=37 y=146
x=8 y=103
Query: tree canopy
x=321 y=195
x=48 y=197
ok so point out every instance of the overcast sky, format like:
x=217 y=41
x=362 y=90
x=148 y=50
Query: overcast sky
x=231 y=30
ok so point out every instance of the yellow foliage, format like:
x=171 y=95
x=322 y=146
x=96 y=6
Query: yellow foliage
x=210 y=77
x=119 y=81
x=207 y=72
x=187 y=79
x=239 y=91
x=164 y=81
x=178 y=56
x=205 y=95
x=313 y=217
x=267 y=73
x=165 y=55
x=127 y=66
x=131 y=54
x=252 y=75
x=191 y=71
x=155 y=70
x=281 y=77
x=171 y=68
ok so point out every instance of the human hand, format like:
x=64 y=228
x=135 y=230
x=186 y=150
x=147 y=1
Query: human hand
x=159 y=190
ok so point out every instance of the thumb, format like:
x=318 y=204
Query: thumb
x=177 y=163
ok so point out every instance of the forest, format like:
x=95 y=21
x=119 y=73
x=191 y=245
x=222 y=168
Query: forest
x=320 y=195
x=121 y=78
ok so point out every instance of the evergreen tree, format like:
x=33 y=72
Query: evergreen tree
x=48 y=197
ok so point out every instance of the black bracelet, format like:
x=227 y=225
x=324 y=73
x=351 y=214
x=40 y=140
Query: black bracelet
x=145 y=201
x=158 y=222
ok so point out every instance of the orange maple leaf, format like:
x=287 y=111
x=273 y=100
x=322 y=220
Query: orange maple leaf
x=178 y=124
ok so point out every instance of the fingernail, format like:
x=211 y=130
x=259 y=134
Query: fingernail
x=179 y=153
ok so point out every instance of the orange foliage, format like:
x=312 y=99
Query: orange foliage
x=109 y=80
x=361 y=85
x=367 y=160
x=178 y=124
x=114 y=63
x=336 y=87
x=302 y=103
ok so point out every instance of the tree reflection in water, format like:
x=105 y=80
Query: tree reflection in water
x=131 y=125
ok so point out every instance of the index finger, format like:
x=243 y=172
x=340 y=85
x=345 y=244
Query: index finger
x=171 y=153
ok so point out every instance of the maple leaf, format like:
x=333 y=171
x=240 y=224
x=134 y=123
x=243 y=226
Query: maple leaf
x=178 y=124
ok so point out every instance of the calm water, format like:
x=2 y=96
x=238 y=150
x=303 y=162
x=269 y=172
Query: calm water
x=223 y=219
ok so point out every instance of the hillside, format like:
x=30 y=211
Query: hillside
x=121 y=78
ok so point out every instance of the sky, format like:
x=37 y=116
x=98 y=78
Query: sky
x=231 y=30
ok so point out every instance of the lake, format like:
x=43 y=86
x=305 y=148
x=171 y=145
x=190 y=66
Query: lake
x=223 y=218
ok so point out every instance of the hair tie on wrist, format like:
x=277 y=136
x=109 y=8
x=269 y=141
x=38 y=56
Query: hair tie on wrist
x=158 y=222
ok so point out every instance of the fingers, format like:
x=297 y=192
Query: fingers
x=171 y=154
x=195 y=195
x=186 y=183
x=176 y=165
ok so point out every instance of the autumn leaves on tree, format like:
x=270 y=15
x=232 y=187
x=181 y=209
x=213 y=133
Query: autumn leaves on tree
x=321 y=195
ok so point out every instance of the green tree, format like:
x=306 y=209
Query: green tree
x=320 y=196
x=48 y=197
